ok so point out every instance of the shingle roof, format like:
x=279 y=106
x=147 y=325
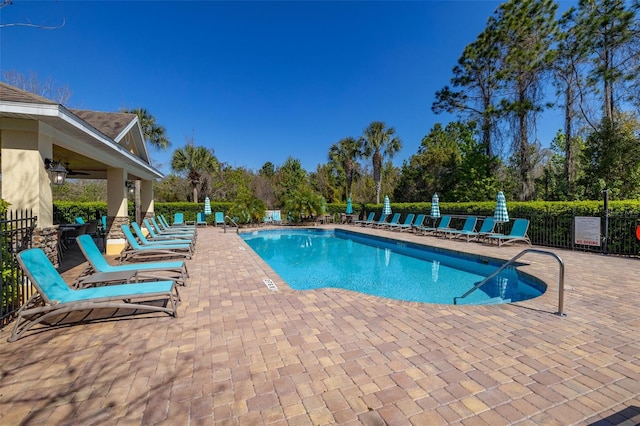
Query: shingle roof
x=109 y=123
x=13 y=94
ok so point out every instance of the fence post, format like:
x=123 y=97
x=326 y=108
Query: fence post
x=605 y=237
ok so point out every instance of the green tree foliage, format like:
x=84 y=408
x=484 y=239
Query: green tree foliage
x=154 y=133
x=194 y=162
x=525 y=30
x=268 y=170
x=450 y=162
x=554 y=185
x=377 y=142
x=82 y=190
x=344 y=156
x=475 y=88
x=228 y=182
x=303 y=204
x=612 y=159
x=364 y=188
x=171 y=189
x=568 y=79
x=247 y=208
x=288 y=178
x=325 y=181
x=608 y=31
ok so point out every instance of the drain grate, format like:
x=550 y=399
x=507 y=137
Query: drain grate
x=270 y=284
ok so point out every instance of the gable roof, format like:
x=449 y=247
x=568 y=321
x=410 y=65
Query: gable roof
x=109 y=123
x=113 y=139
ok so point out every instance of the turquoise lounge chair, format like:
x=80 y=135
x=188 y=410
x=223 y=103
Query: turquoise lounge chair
x=163 y=229
x=394 y=221
x=178 y=219
x=79 y=220
x=487 y=229
x=201 y=219
x=268 y=217
x=277 y=217
x=154 y=236
x=444 y=223
x=180 y=223
x=518 y=233
x=418 y=222
x=408 y=222
x=468 y=227
x=369 y=220
x=376 y=223
x=176 y=270
x=145 y=242
x=155 y=232
x=54 y=297
x=219 y=219
x=136 y=251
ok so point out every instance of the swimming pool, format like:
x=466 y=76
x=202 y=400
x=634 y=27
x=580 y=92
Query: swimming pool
x=318 y=258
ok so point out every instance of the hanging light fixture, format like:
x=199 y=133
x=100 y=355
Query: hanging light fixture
x=57 y=172
x=131 y=186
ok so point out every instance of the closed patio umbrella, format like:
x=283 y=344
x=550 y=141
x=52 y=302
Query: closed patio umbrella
x=435 y=207
x=386 y=207
x=349 y=209
x=501 y=215
x=207 y=206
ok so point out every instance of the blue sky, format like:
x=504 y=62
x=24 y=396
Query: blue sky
x=254 y=81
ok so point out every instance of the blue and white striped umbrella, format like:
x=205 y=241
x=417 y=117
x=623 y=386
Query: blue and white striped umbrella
x=386 y=208
x=207 y=206
x=435 y=207
x=501 y=214
x=349 y=206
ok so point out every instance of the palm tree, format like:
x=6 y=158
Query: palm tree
x=194 y=161
x=344 y=154
x=154 y=135
x=377 y=142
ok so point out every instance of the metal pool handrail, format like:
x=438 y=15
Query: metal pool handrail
x=234 y=224
x=511 y=262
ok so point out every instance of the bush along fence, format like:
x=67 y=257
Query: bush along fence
x=16 y=234
x=552 y=224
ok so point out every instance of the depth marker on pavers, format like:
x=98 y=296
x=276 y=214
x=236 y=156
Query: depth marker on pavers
x=270 y=284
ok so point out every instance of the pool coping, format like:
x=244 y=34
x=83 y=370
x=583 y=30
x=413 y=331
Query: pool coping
x=492 y=261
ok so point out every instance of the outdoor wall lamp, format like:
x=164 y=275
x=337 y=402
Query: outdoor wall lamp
x=131 y=186
x=57 y=172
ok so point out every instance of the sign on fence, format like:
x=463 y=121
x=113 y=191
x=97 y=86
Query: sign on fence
x=587 y=231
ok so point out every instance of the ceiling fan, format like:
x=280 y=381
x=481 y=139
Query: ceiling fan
x=72 y=173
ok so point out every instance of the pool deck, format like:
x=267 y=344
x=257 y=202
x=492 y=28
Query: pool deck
x=241 y=354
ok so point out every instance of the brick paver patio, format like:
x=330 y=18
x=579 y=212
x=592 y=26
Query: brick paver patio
x=241 y=354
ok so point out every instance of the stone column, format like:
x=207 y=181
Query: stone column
x=47 y=240
x=117 y=213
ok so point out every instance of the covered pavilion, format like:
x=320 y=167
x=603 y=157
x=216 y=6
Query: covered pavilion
x=37 y=135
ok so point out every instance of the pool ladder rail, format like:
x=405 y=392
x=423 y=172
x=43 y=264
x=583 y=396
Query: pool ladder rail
x=234 y=224
x=511 y=262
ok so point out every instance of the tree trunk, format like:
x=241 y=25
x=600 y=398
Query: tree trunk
x=377 y=174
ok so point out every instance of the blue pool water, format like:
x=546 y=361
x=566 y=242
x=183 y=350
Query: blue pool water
x=314 y=258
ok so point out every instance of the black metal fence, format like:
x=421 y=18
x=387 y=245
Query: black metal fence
x=16 y=234
x=618 y=232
